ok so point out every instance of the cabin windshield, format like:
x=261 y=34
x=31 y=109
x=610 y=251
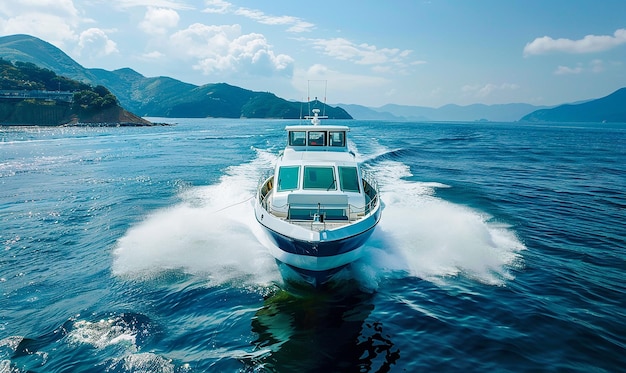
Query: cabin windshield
x=317 y=138
x=297 y=138
x=337 y=138
x=319 y=178
x=349 y=179
x=288 y=178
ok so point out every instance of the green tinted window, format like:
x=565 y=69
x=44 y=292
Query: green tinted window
x=288 y=178
x=349 y=179
x=319 y=178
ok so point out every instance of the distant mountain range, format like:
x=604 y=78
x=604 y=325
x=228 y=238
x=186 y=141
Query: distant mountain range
x=611 y=108
x=160 y=96
x=476 y=112
x=168 y=97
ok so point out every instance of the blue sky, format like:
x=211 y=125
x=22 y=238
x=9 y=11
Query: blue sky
x=421 y=53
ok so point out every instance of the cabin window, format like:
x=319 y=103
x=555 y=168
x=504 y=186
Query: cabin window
x=349 y=179
x=317 y=138
x=297 y=138
x=337 y=138
x=319 y=178
x=288 y=178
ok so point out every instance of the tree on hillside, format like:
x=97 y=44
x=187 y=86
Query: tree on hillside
x=28 y=76
x=35 y=74
x=98 y=98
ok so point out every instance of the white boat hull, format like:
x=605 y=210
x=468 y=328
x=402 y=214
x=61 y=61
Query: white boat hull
x=316 y=253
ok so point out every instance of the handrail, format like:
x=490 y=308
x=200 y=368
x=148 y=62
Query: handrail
x=370 y=179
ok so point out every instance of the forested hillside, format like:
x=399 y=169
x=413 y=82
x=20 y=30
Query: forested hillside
x=33 y=95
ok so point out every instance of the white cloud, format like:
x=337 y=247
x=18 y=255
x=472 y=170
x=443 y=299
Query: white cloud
x=341 y=85
x=363 y=54
x=51 y=20
x=45 y=26
x=170 y=4
x=159 y=20
x=565 y=70
x=94 y=42
x=152 y=55
x=484 y=90
x=217 y=6
x=295 y=24
x=588 y=44
x=344 y=49
x=226 y=49
x=59 y=8
x=595 y=66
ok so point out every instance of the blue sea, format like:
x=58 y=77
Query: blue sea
x=502 y=247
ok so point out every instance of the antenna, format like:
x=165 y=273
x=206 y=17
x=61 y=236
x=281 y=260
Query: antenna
x=325 y=87
x=314 y=115
x=309 y=94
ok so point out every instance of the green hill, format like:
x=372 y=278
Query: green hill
x=158 y=96
x=31 y=95
x=26 y=48
x=611 y=108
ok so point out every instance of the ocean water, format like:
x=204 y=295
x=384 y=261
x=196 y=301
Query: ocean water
x=502 y=247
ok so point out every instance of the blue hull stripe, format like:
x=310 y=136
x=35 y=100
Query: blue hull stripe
x=322 y=248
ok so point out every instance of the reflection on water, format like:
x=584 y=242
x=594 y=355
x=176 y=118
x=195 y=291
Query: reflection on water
x=306 y=330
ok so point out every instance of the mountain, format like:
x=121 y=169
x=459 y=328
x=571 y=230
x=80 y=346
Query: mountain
x=26 y=48
x=611 y=108
x=496 y=113
x=159 y=96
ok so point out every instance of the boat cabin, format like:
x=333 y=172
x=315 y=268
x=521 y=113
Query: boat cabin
x=317 y=175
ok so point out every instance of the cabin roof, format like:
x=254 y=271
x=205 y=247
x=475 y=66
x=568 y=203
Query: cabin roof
x=321 y=127
x=305 y=157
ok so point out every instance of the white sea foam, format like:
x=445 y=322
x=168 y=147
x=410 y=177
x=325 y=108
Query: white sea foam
x=213 y=233
x=144 y=362
x=103 y=333
x=423 y=236
x=5 y=367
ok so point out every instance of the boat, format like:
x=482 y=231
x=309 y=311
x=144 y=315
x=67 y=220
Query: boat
x=319 y=206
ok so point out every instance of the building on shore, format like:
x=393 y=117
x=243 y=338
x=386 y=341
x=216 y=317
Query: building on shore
x=65 y=96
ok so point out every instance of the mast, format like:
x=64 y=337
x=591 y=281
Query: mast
x=308 y=98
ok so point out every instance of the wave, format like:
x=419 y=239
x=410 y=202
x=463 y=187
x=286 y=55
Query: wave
x=118 y=338
x=390 y=155
x=469 y=136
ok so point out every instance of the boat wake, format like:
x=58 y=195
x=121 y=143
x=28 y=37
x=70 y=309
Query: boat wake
x=423 y=236
x=213 y=234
